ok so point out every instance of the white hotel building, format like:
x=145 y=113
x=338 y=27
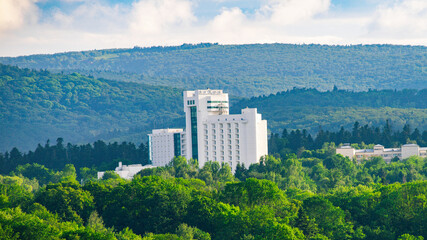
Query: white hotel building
x=212 y=134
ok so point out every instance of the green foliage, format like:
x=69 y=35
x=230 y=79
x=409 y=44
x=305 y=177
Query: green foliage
x=100 y=156
x=68 y=200
x=316 y=195
x=110 y=175
x=247 y=70
x=38 y=105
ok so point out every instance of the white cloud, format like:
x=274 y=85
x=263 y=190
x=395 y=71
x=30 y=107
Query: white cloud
x=14 y=14
x=292 y=11
x=155 y=16
x=95 y=24
x=229 y=20
x=407 y=18
x=91 y=17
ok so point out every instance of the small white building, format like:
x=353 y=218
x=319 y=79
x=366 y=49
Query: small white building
x=387 y=154
x=127 y=171
x=165 y=144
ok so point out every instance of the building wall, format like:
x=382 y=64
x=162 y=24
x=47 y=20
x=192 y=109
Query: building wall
x=346 y=152
x=410 y=150
x=162 y=146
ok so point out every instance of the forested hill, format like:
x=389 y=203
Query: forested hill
x=311 y=109
x=38 y=105
x=248 y=70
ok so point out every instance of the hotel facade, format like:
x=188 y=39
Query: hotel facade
x=212 y=134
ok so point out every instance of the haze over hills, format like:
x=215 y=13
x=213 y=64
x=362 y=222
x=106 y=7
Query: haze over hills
x=39 y=105
x=248 y=70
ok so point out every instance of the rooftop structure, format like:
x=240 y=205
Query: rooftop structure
x=127 y=171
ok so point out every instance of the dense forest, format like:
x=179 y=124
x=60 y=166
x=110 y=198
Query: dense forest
x=39 y=105
x=101 y=156
x=248 y=70
x=321 y=196
x=310 y=108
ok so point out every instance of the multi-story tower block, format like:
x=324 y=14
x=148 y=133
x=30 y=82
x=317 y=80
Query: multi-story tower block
x=212 y=134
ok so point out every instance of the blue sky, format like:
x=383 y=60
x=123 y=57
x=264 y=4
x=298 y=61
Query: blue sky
x=49 y=26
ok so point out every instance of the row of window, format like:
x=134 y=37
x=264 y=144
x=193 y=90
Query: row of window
x=222 y=131
x=191 y=102
x=222 y=159
x=221 y=125
x=217 y=101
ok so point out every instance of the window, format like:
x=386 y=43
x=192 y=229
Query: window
x=229 y=130
x=229 y=135
x=222 y=136
x=229 y=141
x=222 y=147
x=237 y=135
x=229 y=146
x=229 y=125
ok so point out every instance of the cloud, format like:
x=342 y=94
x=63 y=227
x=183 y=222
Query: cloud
x=96 y=24
x=286 y=12
x=156 y=16
x=91 y=17
x=407 y=18
x=15 y=14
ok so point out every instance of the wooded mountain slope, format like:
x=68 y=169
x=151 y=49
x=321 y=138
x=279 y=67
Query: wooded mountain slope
x=248 y=70
x=311 y=109
x=38 y=105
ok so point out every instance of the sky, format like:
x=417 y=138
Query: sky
x=50 y=26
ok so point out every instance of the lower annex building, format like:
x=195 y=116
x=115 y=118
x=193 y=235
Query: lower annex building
x=211 y=133
x=387 y=154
